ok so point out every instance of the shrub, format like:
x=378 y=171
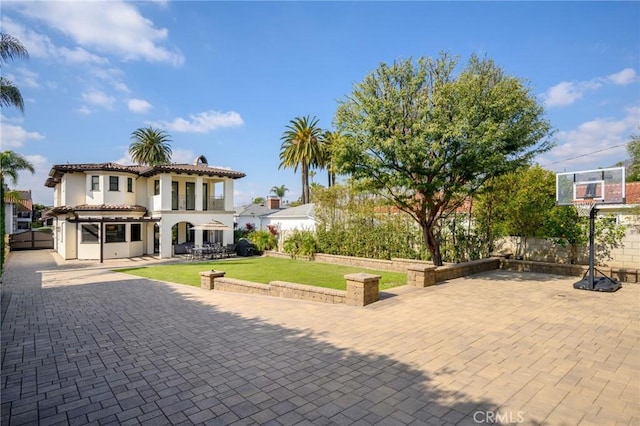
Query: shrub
x=263 y=240
x=301 y=243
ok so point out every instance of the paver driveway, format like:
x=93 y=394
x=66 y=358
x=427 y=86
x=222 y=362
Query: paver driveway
x=82 y=345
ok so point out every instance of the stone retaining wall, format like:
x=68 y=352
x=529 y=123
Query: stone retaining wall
x=628 y=275
x=241 y=286
x=306 y=292
x=457 y=270
x=362 y=288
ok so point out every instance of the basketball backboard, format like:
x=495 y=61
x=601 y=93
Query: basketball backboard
x=603 y=186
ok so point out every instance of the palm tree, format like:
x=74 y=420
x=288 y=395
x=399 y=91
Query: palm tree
x=10 y=48
x=10 y=164
x=280 y=191
x=301 y=148
x=329 y=140
x=150 y=146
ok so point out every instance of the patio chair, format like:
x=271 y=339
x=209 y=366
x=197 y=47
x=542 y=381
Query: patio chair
x=190 y=256
x=230 y=250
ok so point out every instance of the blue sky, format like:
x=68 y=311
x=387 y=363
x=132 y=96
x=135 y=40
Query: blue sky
x=224 y=78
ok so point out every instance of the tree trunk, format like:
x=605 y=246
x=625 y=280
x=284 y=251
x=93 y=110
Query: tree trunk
x=432 y=244
x=305 y=183
x=2 y=223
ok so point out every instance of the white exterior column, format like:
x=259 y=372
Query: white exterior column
x=166 y=248
x=165 y=196
x=228 y=195
x=198 y=194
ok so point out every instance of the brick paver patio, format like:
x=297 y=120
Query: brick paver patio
x=82 y=345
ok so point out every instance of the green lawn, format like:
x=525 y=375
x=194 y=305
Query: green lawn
x=263 y=270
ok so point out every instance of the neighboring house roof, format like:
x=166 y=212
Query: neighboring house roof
x=57 y=171
x=304 y=211
x=632 y=192
x=23 y=201
x=255 y=210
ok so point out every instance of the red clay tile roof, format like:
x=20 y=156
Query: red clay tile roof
x=632 y=192
x=24 y=202
x=98 y=207
x=58 y=170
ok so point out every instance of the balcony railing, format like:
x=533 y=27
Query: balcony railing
x=210 y=204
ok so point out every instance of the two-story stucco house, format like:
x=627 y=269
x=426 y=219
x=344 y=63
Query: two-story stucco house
x=108 y=210
x=18 y=212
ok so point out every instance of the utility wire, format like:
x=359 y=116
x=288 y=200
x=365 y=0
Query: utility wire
x=587 y=154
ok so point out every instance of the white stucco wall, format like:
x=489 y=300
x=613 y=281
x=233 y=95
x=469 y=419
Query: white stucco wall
x=73 y=189
x=289 y=224
x=8 y=214
x=259 y=223
x=76 y=189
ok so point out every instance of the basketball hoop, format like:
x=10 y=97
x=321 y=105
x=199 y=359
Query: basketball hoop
x=584 y=206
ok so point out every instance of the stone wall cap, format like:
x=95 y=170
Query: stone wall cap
x=212 y=273
x=362 y=277
x=419 y=267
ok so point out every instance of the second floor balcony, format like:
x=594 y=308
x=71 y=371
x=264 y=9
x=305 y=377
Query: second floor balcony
x=184 y=203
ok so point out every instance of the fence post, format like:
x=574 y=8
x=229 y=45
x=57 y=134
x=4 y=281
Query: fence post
x=207 y=279
x=421 y=276
x=362 y=289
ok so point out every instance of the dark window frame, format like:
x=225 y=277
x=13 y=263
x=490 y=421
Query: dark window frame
x=95 y=183
x=90 y=233
x=205 y=196
x=115 y=233
x=136 y=232
x=112 y=182
x=129 y=184
x=190 y=195
x=175 y=196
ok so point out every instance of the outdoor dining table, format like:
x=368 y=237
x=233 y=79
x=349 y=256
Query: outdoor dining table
x=208 y=251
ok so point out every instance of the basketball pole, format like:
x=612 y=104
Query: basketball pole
x=592 y=231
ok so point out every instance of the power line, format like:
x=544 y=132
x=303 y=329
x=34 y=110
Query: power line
x=585 y=155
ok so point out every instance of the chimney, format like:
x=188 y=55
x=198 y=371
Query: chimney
x=273 y=203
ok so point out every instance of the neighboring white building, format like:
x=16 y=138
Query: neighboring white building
x=255 y=214
x=286 y=221
x=18 y=212
x=108 y=210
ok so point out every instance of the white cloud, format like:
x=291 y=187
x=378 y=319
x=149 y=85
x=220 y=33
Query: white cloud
x=138 y=105
x=13 y=136
x=24 y=78
x=182 y=156
x=120 y=86
x=84 y=110
x=113 y=27
x=41 y=46
x=35 y=182
x=98 y=98
x=626 y=76
x=567 y=92
x=202 y=122
x=593 y=143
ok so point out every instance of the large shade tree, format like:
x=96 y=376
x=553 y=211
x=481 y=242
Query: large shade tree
x=423 y=135
x=10 y=48
x=150 y=146
x=11 y=164
x=301 y=148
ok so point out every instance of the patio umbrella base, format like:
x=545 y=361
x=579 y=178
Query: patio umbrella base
x=599 y=284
